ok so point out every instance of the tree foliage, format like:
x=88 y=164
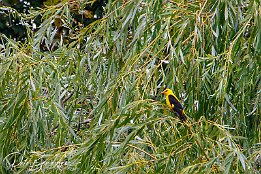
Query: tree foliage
x=86 y=98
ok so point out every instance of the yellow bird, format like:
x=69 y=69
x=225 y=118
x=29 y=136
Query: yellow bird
x=174 y=104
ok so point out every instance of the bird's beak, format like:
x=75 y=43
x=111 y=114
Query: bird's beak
x=162 y=92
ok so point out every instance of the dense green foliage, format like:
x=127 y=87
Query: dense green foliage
x=90 y=101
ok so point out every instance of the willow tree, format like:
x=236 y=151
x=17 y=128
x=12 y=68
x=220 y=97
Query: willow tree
x=86 y=98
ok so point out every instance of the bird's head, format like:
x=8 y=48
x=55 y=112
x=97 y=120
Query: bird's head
x=167 y=91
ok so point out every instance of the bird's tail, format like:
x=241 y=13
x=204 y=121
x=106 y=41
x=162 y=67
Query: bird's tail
x=182 y=116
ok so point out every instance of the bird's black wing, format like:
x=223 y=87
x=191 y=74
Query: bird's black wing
x=175 y=103
x=177 y=107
